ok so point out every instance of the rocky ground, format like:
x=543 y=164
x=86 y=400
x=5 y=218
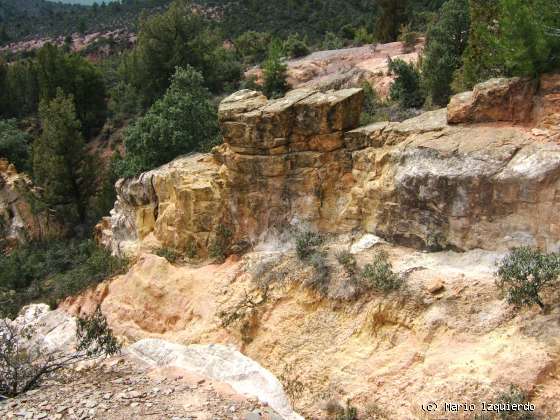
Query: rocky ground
x=449 y=334
x=121 y=388
x=348 y=67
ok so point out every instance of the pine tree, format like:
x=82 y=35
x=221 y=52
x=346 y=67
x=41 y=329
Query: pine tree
x=183 y=121
x=445 y=44
x=480 y=60
x=523 y=44
x=406 y=89
x=61 y=166
x=274 y=71
x=392 y=14
x=3 y=88
x=76 y=77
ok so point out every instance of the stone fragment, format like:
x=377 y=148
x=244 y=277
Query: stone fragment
x=435 y=286
x=497 y=99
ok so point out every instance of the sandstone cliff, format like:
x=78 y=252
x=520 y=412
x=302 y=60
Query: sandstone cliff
x=19 y=222
x=484 y=181
x=467 y=182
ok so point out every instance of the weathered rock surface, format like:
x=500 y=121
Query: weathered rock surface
x=50 y=331
x=348 y=67
x=495 y=100
x=220 y=363
x=54 y=332
x=397 y=351
x=180 y=204
x=18 y=222
x=124 y=388
x=300 y=160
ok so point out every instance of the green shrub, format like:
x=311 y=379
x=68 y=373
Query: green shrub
x=252 y=46
x=371 y=106
x=347 y=413
x=514 y=395
x=445 y=43
x=332 y=42
x=348 y=261
x=295 y=46
x=191 y=251
x=362 y=36
x=14 y=144
x=320 y=279
x=274 y=72
x=52 y=270
x=379 y=275
x=23 y=365
x=524 y=273
x=307 y=243
x=220 y=243
x=407 y=37
x=169 y=254
x=183 y=121
x=406 y=89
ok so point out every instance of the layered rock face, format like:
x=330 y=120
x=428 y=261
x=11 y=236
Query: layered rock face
x=300 y=160
x=18 y=222
x=178 y=204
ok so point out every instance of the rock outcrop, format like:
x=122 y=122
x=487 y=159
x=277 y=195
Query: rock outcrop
x=300 y=160
x=54 y=332
x=397 y=351
x=499 y=99
x=219 y=363
x=348 y=67
x=19 y=222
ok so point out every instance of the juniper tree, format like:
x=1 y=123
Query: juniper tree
x=61 y=166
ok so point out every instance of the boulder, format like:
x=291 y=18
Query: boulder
x=220 y=363
x=499 y=99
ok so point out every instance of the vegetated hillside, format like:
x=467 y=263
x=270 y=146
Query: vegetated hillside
x=311 y=17
x=84 y=2
x=17 y=9
x=21 y=19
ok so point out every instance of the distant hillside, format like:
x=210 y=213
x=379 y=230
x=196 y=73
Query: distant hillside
x=84 y=2
x=311 y=18
x=24 y=19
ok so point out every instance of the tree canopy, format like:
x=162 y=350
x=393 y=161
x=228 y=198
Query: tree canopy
x=446 y=41
x=183 y=121
x=178 y=38
x=61 y=166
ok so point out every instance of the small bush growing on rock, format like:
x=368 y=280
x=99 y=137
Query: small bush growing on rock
x=290 y=379
x=219 y=246
x=307 y=243
x=379 y=275
x=347 y=413
x=406 y=89
x=513 y=395
x=374 y=412
x=320 y=279
x=23 y=365
x=274 y=72
x=191 y=251
x=169 y=254
x=348 y=261
x=408 y=38
x=524 y=273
